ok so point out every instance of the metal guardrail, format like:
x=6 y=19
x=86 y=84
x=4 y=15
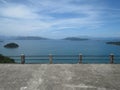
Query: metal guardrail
x=62 y=59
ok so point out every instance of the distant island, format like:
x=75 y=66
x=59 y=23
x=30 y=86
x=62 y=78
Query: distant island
x=30 y=38
x=75 y=39
x=11 y=45
x=114 y=43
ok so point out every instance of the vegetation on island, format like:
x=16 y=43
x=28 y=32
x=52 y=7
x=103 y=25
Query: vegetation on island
x=11 y=45
x=114 y=43
x=4 y=59
x=75 y=39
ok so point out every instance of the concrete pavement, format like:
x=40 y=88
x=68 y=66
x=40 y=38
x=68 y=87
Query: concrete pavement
x=60 y=77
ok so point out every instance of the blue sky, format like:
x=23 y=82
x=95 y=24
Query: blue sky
x=60 y=18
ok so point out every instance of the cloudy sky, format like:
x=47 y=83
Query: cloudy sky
x=60 y=18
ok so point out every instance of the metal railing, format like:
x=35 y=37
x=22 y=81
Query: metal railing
x=66 y=59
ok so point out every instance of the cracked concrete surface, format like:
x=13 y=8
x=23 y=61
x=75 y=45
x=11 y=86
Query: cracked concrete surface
x=59 y=77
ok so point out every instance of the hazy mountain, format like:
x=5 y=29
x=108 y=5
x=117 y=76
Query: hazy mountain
x=22 y=38
x=30 y=38
x=75 y=38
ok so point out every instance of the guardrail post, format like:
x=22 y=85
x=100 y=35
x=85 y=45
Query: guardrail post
x=80 y=58
x=22 y=59
x=50 y=58
x=111 y=58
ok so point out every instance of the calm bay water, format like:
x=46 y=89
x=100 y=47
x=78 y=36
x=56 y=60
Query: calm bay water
x=59 y=47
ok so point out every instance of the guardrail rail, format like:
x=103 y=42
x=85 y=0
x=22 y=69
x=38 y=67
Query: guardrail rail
x=66 y=59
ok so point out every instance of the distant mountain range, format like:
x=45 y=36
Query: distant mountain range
x=75 y=39
x=79 y=38
x=30 y=38
x=22 y=38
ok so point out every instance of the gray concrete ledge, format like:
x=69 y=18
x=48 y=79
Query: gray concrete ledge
x=60 y=77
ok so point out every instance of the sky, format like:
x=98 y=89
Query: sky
x=60 y=18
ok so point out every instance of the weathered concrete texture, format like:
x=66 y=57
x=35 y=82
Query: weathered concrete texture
x=60 y=77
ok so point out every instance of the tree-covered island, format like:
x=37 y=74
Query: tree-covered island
x=11 y=45
x=114 y=43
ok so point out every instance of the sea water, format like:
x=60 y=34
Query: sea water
x=62 y=47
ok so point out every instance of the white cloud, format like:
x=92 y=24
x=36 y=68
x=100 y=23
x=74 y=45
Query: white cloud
x=18 y=11
x=22 y=27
